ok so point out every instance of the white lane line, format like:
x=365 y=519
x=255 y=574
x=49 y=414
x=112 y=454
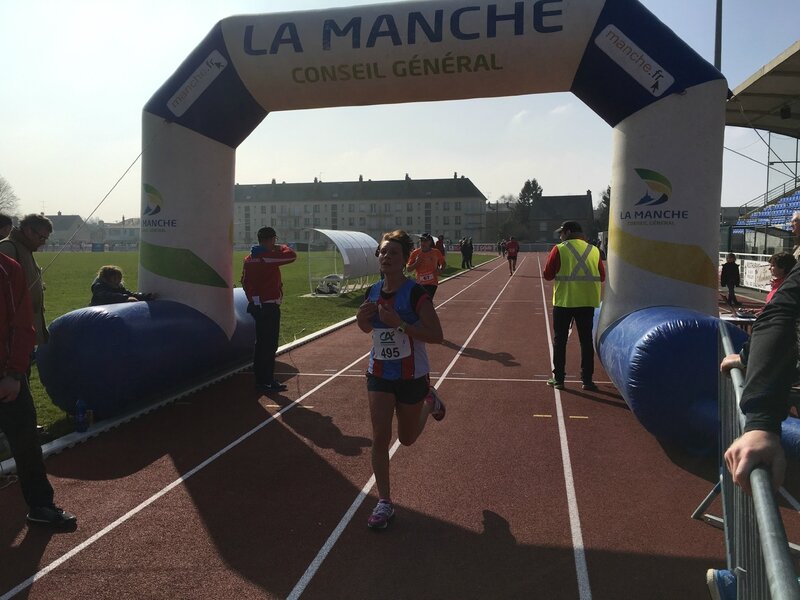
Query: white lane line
x=312 y=569
x=584 y=589
x=109 y=528
x=59 y=561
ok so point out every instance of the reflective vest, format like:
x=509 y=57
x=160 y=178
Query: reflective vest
x=577 y=282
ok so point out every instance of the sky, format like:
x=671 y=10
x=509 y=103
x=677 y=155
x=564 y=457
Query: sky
x=77 y=74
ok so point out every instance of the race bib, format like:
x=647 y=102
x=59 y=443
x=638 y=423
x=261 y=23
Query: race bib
x=428 y=277
x=390 y=344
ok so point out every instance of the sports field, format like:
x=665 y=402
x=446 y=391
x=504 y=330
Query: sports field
x=68 y=277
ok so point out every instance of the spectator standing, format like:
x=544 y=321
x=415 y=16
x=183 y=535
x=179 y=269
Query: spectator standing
x=428 y=262
x=771 y=369
x=780 y=264
x=261 y=280
x=795 y=223
x=439 y=245
x=107 y=288
x=512 y=249
x=729 y=277
x=578 y=271
x=468 y=245
x=17 y=411
x=33 y=232
x=400 y=316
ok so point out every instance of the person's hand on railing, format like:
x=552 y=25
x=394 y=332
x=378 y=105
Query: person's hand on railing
x=732 y=361
x=752 y=449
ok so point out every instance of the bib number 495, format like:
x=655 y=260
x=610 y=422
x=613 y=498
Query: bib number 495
x=389 y=353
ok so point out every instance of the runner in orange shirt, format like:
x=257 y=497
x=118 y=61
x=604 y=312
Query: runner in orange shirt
x=427 y=261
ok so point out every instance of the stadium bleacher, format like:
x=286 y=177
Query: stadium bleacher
x=777 y=214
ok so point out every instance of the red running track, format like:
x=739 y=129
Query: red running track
x=521 y=492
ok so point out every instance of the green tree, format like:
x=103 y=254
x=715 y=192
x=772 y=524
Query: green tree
x=603 y=209
x=531 y=192
x=8 y=199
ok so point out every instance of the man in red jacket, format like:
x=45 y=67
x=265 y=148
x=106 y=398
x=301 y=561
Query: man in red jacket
x=261 y=280
x=17 y=412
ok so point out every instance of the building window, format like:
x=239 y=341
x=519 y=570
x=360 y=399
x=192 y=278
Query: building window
x=362 y=221
x=316 y=209
x=446 y=220
x=457 y=219
x=307 y=222
x=387 y=207
x=446 y=206
x=409 y=221
x=458 y=205
x=272 y=209
x=351 y=222
x=373 y=208
x=398 y=221
x=307 y=209
x=351 y=208
x=263 y=209
x=409 y=206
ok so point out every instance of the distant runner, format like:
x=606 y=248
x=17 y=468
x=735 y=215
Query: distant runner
x=428 y=262
x=512 y=249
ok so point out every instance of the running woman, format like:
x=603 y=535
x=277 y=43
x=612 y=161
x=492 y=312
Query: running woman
x=428 y=262
x=400 y=316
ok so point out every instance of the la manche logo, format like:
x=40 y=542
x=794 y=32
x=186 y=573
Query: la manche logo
x=154 y=205
x=661 y=187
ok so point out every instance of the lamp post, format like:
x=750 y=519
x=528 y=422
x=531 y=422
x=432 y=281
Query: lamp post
x=718 y=38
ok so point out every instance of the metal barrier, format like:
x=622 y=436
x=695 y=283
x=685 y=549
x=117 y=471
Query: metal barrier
x=755 y=539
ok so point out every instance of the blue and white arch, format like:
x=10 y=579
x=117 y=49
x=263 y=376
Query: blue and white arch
x=665 y=103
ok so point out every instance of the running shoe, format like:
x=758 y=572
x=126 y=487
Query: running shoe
x=721 y=584
x=590 y=386
x=272 y=386
x=52 y=516
x=556 y=383
x=437 y=406
x=380 y=517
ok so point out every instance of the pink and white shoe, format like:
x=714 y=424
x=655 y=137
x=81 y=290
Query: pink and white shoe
x=438 y=408
x=381 y=515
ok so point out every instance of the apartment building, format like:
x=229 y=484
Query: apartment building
x=453 y=207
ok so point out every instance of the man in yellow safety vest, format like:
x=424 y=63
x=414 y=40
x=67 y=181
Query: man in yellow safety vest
x=577 y=268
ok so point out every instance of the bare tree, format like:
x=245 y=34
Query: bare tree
x=8 y=199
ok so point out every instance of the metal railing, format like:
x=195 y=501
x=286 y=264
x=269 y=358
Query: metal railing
x=755 y=538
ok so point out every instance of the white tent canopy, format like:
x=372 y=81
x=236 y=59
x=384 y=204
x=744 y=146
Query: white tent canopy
x=359 y=263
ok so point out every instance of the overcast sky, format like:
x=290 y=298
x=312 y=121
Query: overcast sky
x=77 y=74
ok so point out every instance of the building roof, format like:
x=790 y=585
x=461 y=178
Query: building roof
x=403 y=189
x=559 y=208
x=770 y=98
x=65 y=222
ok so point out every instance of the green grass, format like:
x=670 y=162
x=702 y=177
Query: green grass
x=68 y=278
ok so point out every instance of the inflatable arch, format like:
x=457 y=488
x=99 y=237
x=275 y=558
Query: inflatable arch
x=665 y=103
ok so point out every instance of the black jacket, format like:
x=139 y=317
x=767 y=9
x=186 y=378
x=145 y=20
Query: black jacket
x=730 y=274
x=102 y=293
x=772 y=358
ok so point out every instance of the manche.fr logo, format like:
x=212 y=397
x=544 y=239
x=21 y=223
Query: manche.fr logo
x=656 y=183
x=154 y=201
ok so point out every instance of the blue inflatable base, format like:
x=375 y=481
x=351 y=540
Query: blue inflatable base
x=121 y=356
x=664 y=360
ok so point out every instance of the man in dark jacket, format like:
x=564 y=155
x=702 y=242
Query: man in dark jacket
x=17 y=412
x=768 y=380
